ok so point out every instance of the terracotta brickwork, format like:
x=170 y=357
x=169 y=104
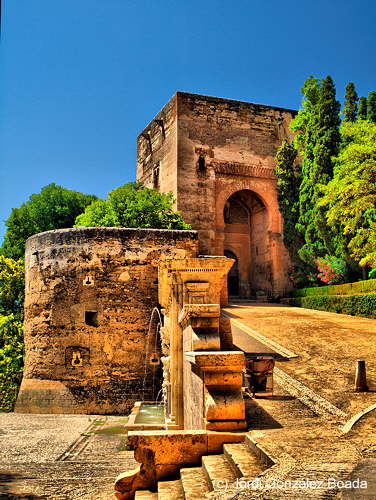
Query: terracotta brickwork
x=89 y=298
x=211 y=151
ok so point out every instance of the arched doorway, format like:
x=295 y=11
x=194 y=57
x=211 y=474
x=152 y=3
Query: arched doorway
x=246 y=237
x=233 y=275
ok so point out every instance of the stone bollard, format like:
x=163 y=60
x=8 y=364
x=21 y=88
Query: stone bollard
x=360 y=376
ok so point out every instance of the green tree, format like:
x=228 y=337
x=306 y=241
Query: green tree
x=12 y=285
x=11 y=338
x=133 y=205
x=350 y=107
x=53 y=208
x=371 y=107
x=362 y=109
x=304 y=125
x=351 y=196
x=288 y=180
x=318 y=140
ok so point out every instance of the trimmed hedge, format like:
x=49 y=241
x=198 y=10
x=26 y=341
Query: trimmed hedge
x=354 y=305
x=345 y=289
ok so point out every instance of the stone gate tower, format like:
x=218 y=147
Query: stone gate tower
x=217 y=157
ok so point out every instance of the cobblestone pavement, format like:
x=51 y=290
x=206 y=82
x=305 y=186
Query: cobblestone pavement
x=65 y=457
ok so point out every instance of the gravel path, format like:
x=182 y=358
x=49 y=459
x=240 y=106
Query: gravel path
x=65 y=457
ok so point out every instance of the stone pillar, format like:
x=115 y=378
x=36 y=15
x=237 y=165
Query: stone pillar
x=205 y=381
x=176 y=353
x=360 y=376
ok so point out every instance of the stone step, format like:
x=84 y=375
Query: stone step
x=146 y=495
x=194 y=483
x=262 y=455
x=170 y=490
x=243 y=462
x=217 y=468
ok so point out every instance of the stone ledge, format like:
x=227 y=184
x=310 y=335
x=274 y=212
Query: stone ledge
x=232 y=361
x=199 y=310
x=77 y=235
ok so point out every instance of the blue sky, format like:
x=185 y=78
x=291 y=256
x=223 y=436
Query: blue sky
x=81 y=78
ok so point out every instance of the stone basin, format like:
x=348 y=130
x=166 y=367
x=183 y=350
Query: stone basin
x=146 y=415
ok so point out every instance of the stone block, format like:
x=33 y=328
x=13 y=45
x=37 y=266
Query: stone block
x=221 y=405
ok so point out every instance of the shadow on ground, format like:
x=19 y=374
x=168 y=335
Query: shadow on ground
x=8 y=490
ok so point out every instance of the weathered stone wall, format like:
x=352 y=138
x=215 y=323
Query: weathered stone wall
x=223 y=147
x=89 y=298
x=157 y=151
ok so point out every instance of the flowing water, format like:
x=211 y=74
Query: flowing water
x=154 y=314
x=150 y=414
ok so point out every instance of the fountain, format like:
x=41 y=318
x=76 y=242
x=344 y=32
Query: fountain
x=202 y=377
x=149 y=414
x=153 y=359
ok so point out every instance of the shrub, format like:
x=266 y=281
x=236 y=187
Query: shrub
x=345 y=289
x=354 y=305
x=332 y=269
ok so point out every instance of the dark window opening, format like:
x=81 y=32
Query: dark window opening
x=161 y=124
x=156 y=178
x=233 y=275
x=91 y=318
x=201 y=164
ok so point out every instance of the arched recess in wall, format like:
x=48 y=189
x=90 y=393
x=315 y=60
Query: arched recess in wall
x=246 y=222
x=264 y=191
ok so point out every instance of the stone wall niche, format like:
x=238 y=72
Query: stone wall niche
x=89 y=297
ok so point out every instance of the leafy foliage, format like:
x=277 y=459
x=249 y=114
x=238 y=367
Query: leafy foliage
x=11 y=359
x=12 y=284
x=335 y=215
x=344 y=289
x=133 y=205
x=11 y=340
x=350 y=106
x=331 y=269
x=317 y=139
x=288 y=179
x=351 y=196
x=371 y=107
x=53 y=208
x=362 y=109
x=355 y=305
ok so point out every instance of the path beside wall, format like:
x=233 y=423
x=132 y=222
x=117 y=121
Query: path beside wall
x=327 y=344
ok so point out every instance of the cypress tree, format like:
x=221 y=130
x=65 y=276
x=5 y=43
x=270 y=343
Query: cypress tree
x=350 y=107
x=362 y=109
x=303 y=124
x=371 y=107
x=327 y=142
x=319 y=140
x=327 y=137
x=288 y=195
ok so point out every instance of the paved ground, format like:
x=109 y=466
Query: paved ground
x=328 y=346
x=65 y=457
x=308 y=448
x=70 y=457
x=309 y=444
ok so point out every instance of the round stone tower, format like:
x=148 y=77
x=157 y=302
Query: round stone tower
x=89 y=297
